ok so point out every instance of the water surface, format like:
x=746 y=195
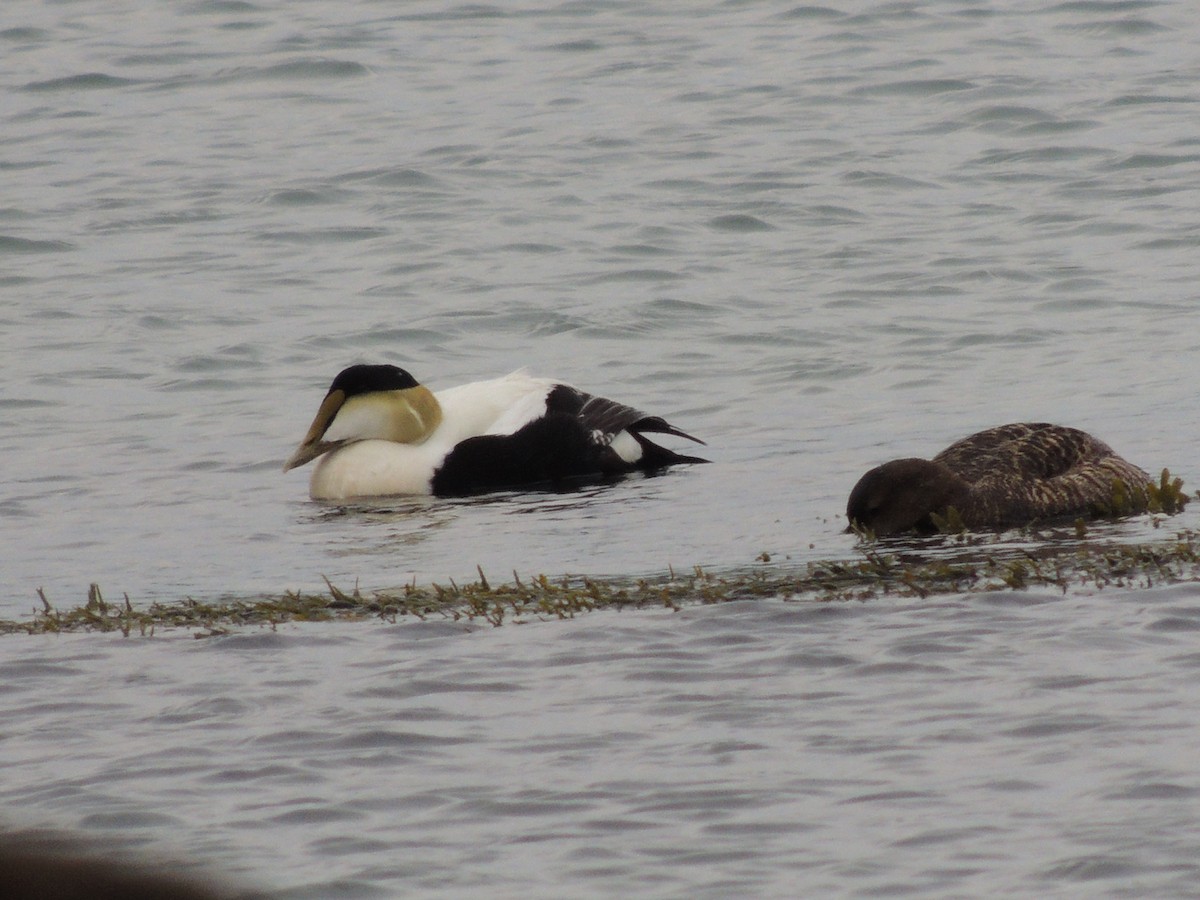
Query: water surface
x=816 y=236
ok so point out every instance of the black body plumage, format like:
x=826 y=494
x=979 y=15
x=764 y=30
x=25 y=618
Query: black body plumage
x=572 y=442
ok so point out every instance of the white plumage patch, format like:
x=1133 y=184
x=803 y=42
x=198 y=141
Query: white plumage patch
x=529 y=408
x=626 y=446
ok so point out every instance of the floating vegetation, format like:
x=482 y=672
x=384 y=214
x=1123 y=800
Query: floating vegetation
x=1063 y=561
x=1168 y=496
x=951 y=523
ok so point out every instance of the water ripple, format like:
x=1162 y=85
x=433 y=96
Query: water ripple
x=786 y=231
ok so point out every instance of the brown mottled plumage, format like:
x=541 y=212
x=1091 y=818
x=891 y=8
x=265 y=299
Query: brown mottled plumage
x=1010 y=475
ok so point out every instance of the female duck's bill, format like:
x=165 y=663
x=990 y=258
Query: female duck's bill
x=379 y=432
x=1006 y=476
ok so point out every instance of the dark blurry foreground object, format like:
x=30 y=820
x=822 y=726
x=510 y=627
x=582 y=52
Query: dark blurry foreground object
x=1005 y=476
x=37 y=866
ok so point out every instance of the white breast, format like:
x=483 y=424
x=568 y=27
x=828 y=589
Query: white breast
x=375 y=468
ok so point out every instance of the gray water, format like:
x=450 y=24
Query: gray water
x=816 y=236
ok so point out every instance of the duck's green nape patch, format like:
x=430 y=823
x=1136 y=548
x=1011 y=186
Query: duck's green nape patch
x=1060 y=564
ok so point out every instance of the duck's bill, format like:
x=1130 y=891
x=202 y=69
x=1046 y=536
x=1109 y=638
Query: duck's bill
x=312 y=446
x=308 y=452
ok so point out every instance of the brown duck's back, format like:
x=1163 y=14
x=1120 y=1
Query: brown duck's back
x=1025 y=471
x=1024 y=450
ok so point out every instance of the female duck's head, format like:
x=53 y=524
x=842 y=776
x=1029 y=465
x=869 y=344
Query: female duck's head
x=902 y=494
x=369 y=402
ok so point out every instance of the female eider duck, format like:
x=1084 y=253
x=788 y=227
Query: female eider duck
x=378 y=432
x=1005 y=476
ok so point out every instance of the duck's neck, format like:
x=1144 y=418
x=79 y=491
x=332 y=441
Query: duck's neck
x=935 y=490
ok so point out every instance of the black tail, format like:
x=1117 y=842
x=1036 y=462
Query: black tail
x=656 y=457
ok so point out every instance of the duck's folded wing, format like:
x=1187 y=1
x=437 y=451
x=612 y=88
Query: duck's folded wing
x=607 y=417
x=1024 y=450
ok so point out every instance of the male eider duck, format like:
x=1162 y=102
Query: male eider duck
x=378 y=432
x=1005 y=476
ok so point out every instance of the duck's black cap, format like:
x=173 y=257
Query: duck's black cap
x=366 y=379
